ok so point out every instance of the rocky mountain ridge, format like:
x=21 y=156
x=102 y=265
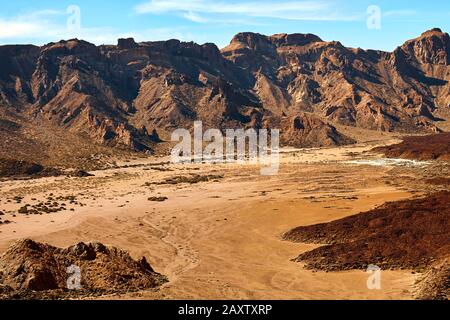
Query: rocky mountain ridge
x=130 y=95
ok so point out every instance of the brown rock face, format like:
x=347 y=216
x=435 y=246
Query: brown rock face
x=116 y=95
x=308 y=130
x=431 y=147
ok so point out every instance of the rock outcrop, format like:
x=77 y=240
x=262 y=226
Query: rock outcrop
x=28 y=266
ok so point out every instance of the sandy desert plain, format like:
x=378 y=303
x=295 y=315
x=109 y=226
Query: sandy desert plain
x=219 y=236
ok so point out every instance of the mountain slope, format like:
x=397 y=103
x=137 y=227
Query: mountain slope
x=129 y=95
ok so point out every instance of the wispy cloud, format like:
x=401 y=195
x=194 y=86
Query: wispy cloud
x=194 y=17
x=283 y=9
x=27 y=25
x=41 y=27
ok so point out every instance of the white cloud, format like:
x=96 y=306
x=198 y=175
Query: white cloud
x=400 y=13
x=28 y=25
x=31 y=25
x=40 y=28
x=43 y=31
x=284 y=9
x=15 y=29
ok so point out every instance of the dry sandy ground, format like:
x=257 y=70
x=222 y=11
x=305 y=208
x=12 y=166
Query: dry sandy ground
x=218 y=239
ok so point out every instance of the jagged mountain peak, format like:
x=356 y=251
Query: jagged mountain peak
x=294 y=39
x=432 y=35
x=71 y=44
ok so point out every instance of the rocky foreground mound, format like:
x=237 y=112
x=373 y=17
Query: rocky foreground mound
x=129 y=95
x=432 y=147
x=30 y=269
x=410 y=234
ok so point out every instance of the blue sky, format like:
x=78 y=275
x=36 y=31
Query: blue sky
x=375 y=24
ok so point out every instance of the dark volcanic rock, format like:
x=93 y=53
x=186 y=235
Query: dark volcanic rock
x=81 y=174
x=11 y=168
x=405 y=234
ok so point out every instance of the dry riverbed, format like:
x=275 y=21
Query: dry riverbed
x=215 y=231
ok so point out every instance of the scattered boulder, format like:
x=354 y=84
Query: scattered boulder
x=408 y=234
x=23 y=210
x=193 y=179
x=127 y=43
x=81 y=174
